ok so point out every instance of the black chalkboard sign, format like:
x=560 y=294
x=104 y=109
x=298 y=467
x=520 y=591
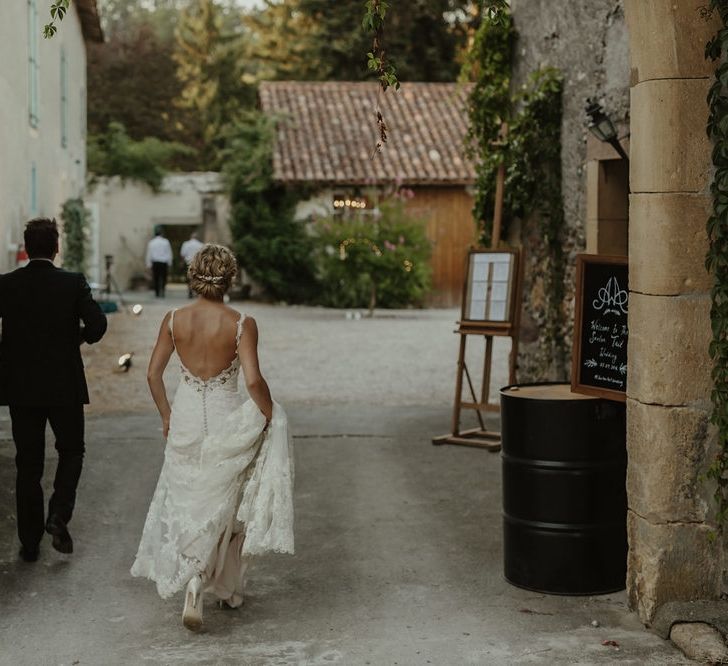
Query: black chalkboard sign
x=599 y=364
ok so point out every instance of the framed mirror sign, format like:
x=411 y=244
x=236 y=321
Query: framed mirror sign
x=489 y=299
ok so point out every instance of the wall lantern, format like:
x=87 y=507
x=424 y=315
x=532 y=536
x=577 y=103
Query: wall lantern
x=602 y=127
x=342 y=202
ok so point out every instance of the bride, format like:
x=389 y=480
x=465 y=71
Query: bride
x=225 y=489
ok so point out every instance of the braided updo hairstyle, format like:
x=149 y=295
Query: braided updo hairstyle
x=212 y=271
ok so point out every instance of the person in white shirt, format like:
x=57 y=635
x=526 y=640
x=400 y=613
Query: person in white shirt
x=188 y=251
x=159 y=259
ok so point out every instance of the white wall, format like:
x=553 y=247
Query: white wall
x=318 y=206
x=60 y=171
x=128 y=213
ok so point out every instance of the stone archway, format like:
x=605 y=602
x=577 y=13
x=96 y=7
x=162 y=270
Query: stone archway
x=669 y=440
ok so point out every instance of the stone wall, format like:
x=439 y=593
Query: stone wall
x=587 y=40
x=669 y=440
x=657 y=47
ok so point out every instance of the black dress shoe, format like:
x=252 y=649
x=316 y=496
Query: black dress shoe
x=56 y=527
x=29 y=554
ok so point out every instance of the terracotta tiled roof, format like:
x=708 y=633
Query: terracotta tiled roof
x=88 y=12
x=328 y=132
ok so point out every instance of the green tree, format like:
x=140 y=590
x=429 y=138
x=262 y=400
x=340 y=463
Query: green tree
x=132 y=80
x=114 y=153
x=422 y=39
x=325 y=40
x=272 y=247
x=211 y=71
x=281 y=43
x=118 y=17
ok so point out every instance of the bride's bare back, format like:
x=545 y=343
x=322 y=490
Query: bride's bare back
x=205 y=340
x=205 y=335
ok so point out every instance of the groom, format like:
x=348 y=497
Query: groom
x=42 y=380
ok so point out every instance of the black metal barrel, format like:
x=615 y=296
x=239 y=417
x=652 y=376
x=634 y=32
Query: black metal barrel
x=564 y=497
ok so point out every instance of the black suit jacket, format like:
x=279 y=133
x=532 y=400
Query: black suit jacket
x=42 y=309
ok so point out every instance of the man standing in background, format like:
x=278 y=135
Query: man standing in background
x=159 y=259
x=188 y=251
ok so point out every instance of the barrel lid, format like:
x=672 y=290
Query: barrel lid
x=544 y=392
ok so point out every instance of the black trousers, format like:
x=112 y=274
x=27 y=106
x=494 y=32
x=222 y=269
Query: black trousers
x=29 y=426
x=159 y=277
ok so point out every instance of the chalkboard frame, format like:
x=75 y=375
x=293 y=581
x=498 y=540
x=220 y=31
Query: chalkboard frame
x=502 y=327
x=583 y=261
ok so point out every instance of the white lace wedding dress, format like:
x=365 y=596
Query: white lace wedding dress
x=225 y=490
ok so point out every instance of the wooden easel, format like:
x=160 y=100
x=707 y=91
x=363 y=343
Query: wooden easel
x=482 y=437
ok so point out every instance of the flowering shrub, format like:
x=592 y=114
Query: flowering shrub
x=369 y=260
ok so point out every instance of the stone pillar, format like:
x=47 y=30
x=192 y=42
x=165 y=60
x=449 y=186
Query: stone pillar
x=669 y=439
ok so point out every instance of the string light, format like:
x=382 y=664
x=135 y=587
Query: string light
x=352 y=241
x=355 y=202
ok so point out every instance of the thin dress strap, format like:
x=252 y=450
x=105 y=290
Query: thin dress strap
x=239 y=332
x=171 y=326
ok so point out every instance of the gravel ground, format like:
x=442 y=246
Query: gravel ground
x=313 y=356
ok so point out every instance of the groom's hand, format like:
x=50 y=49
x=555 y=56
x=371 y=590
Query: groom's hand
x=94 y=320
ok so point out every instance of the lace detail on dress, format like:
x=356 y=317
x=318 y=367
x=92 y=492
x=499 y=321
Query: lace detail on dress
x=239 y=477
x=220 y=379
x=228 y=376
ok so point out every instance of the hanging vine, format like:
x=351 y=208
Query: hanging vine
x=533 y=194
x=717 y=258
x=377 y=61
x=488 y=65
x=59 y=9
x=531 y=154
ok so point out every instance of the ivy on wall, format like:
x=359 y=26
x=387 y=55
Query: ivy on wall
x=533 y=194
x=717 y=258
x=531 y=154
x=75 y=228
x=488 y=65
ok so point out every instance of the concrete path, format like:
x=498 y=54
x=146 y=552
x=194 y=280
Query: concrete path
x=398 y=562
x=398 y=542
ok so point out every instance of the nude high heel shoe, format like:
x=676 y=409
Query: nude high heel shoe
x=192 y=613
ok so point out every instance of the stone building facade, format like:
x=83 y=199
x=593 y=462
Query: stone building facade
x=42 y=114
x=587 y=42
x=643 y=60
x=669 y=440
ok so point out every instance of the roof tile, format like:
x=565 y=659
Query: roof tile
x=328 y=132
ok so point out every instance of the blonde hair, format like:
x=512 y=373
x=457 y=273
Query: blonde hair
x=212 y=271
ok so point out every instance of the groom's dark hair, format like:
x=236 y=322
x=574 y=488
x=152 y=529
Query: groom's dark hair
x=41 y=238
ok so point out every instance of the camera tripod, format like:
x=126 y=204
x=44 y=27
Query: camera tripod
x=111 y=282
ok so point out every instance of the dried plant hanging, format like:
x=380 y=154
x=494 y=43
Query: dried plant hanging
x=373 y=22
